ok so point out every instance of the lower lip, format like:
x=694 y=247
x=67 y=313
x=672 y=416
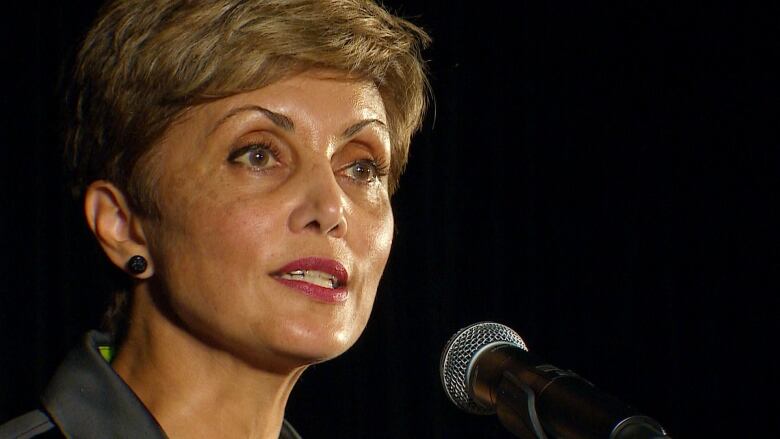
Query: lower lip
x=316 y=292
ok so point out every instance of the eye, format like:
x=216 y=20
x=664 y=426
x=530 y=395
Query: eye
x=365 y=171
x=256 y=156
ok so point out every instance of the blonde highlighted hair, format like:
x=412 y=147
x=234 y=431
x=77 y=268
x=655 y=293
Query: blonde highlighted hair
x=144 y=62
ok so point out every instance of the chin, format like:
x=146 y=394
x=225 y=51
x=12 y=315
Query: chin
x=307 y=343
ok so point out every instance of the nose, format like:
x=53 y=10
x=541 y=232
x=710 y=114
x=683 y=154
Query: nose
x=321 y=206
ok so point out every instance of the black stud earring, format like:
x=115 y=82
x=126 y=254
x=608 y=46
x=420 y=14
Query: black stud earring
x=137 y=264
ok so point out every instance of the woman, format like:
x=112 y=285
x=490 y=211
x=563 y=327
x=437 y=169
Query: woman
x=236 y=160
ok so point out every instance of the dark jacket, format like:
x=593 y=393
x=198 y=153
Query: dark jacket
x=86 y=399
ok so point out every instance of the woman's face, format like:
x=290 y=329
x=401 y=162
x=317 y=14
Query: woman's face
x=275 y=222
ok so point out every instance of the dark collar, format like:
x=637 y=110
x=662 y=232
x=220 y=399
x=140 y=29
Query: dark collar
x=87 y=399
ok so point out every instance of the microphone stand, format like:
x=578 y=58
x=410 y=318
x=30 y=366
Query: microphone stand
x=533 y=400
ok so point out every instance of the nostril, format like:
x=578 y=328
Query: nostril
x=314 y=226
x=330 y=227
x=332 y=222
x=320 y=208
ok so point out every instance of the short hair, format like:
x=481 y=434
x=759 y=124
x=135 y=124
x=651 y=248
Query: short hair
x=144 y=62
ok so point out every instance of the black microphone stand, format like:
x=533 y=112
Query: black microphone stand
x=533 y=400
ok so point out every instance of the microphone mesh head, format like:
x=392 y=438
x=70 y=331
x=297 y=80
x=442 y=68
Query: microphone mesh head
x=460 y=351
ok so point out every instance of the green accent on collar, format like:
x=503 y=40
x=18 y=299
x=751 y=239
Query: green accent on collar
x=107 y=352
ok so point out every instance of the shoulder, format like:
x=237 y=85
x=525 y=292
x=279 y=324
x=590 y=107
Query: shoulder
x=34 y=424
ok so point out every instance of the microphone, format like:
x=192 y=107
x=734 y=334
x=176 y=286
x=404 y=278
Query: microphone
x=486 y=368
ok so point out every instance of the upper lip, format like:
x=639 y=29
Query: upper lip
x=330 y=266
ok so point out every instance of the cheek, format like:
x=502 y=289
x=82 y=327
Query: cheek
x=373 y=254
x=215 y=246
x=377 y=239
x=237 y=232
x=383 y=239
x=215 y=264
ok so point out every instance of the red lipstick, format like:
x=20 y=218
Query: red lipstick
x=308 y=275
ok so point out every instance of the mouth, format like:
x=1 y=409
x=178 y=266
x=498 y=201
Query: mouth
x=322 y=279
x=314 y=277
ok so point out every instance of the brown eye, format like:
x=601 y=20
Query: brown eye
x=364 y=171
x=257 y=157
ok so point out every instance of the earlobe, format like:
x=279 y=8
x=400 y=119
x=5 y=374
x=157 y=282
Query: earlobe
x=116 y=227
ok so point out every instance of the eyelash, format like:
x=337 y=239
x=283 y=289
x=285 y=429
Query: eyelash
x=261 y=146
x=381 y=167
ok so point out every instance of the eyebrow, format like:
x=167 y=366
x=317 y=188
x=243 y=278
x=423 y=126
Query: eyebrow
x=287 y=124
x=352 y=130
x=279 y=120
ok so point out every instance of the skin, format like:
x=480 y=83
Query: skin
x=216 y=343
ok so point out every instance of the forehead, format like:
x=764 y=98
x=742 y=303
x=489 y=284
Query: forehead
x=316 y=83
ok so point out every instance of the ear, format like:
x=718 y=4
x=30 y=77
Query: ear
x=117 y=228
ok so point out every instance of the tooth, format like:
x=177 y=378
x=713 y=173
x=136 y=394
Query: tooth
x=313 y=277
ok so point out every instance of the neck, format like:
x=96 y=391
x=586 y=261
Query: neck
x=194 y=389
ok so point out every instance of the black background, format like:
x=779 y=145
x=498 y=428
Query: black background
x=600 y=177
